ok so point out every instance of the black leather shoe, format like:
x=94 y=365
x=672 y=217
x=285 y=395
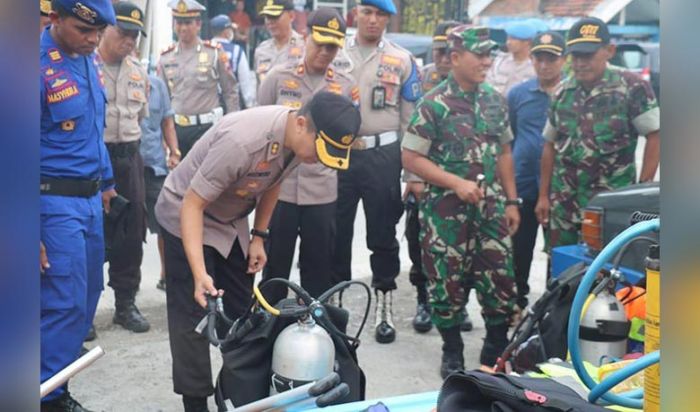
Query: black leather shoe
x=466 y=324
x=384 y=331
x=451 y=362
x=422 y=322
x=91 y=335
x=65 y=403
x=129 y=317
x=194 y=404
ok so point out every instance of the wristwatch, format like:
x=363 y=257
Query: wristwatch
x=264 y=234
x=514 y=202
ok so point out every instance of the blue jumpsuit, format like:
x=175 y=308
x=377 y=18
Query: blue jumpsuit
x=71 y=147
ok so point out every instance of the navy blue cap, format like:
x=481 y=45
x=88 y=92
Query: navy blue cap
x=383 y=5
x=95 y=12
x=219 y=23
x=522 y=30
x=587 y=35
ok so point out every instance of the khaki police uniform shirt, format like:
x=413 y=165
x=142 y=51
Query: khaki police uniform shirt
x=388 y=66
x=234 y=163
x=430 y=77
x=126 y=86
x=505 y=72
x=267 y=55
x=308 y=184
x=194 y=77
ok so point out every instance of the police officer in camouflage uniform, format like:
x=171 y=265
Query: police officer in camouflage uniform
x=286 y=45
x=389 y=84
x=126 y=85
x=592 y=131
x=458 y=131
x=198 y=76
x=307 y=200
x=431 y=75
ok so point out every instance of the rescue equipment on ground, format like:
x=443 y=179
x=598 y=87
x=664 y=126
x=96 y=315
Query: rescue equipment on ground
x=602 y=389
x=254 y=362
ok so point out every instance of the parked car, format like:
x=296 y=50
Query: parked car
x=640 y=57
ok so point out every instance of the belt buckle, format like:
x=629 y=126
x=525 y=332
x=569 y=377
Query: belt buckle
x=359 y=144
x=182 y=120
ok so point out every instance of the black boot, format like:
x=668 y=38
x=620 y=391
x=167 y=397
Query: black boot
x=91 y=335
x=494 y=344
x=466 y=324
x=384 y=331
x=64 y=403
x=422 y=322
x=127 y=314
x=452 y=351
x=195 y=404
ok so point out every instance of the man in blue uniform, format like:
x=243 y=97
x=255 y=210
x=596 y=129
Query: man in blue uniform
x=76 y=181
x=222 y=33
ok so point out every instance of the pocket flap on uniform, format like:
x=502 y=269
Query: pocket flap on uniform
x=58 y=283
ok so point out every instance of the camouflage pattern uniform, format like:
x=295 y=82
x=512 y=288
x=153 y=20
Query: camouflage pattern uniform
x=462 y=132
x=595 y=136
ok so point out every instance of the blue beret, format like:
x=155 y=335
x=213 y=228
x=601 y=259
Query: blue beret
x=383 y=5
x=539 y=24
x=95 y=12
x=522 y=30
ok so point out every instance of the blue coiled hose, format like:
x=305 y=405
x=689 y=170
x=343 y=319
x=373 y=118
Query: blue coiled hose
x=599 y=390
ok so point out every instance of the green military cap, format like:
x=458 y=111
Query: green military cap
x=186 y=9
x=441 y=31
x=475 y=39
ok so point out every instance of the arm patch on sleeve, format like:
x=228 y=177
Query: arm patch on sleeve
x=411 y=89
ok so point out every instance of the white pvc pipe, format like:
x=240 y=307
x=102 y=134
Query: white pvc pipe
x=71 y=370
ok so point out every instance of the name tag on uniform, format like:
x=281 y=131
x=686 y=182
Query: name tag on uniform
x=378 y=97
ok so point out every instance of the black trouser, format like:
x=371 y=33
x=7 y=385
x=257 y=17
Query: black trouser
x=125 y=256
x=523 y=247
x=416 y=274
x=374 y=177
x=153 y=186
x=190 y=351
x=315 y=226
x=187 y=136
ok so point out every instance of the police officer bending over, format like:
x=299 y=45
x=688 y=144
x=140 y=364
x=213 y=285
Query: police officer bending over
x=126 y=86
x=203 y=209
x=74 y=169
x=198 y=76
x=460 y=130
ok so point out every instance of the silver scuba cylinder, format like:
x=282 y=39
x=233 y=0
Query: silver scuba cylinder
x=303 y=352
x=603 y=330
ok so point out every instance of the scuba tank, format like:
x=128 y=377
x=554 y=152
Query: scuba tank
x=604 y=329
x=303 y=352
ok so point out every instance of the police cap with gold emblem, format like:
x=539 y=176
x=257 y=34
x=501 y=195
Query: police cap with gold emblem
x=129 y=16
x=186 y=9
x=275 y=8
x=44 y=7
x=548 y=42
x=327 y=26
x=386 y=6
x=94 y=12
x=337 y=122
x=587 y=35
x=441 y=31
x=475 y=39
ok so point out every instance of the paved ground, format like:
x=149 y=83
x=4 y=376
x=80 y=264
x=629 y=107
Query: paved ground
x=135 y=374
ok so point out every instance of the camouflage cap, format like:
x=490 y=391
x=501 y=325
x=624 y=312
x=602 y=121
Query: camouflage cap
x=475 y=39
